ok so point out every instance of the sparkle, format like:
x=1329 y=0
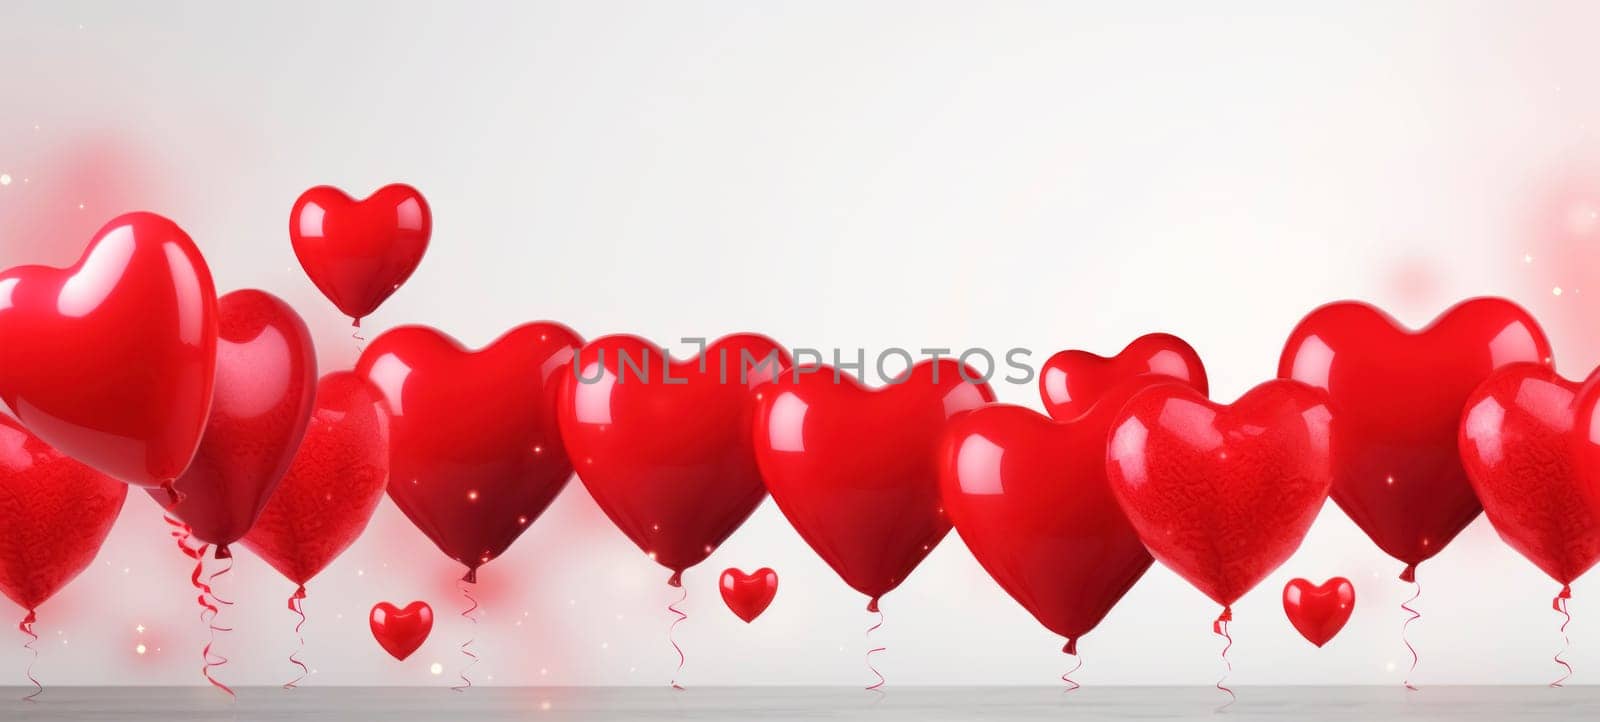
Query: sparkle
x=1390 y=480
x=140 y=649
x=436 y=669
x=1556 y=291
x=1527 y=258
x=544 y=705
x=80 y=206
x=5 y=179
x=472 y=495
x=139 y=629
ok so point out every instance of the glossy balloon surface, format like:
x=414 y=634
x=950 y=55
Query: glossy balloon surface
x=1071 y=382
x=476 y=454
x=1520 y=445
x=358 y=253
x=266 y=382
x=1399 y=394
x=1319 y=611
x=664 y=445
x=111 y=360
x=748 y=595
x=333 y=485
x=1029 y=497
x=55 y=513
x=1222 y=495
x=856 y=470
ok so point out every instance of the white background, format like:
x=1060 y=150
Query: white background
x=834 y=174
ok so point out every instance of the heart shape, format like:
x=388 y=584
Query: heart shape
x=1319 y=612
x=476 y=455
x=111 y=360
x=1399 y=394
x=333 y=484
x=1030 y=498
x=400 y=631
x=1070 y=382
x=748 y=595
x=56 y=513
x=1520 y=449
x=266 y=381
x=1222 y=495
x=664 y=446
x=359 y=252
x=856 y=470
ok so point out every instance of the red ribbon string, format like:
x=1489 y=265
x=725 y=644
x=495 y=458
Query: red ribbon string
x=361 y=341
x=1560 y=604
x=1220 y=628
x=1410 y=576
x=294 y=657
x=671 y=628
x=26 y=627
x=466 y=647
x=181 y=534
x=1074 y=686
x=878 y=685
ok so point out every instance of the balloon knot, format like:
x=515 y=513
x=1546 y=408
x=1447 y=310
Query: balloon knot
x=1072 y=646
x=471 y=577
x=223 y=553
x=300 y=592
x=1566 y=591
x=677 y=578
x=1409 y=574
x=355 y=322
x=872 y=606
x=1223 y=618
x=173 y=497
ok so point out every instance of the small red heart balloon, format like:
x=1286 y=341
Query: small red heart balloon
x=1029 y=497
x=1319 y=612
x=664 y=446
x=56 y=513
x=265 y=384
x=477 y=455
x=359 y=252
x=401 y=631
x=1519 y=446
x=1222 y=495
x=1397 y=471
x=1070 y=382
x=856 y=470
x=333 y=485
x=111 y=361
x=748 y=595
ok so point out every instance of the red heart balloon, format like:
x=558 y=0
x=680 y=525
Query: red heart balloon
x=1319 y=612
x=266 y=382
x=1520 y=450
x=333 y=485
x=663 y=445
x=856 y=470
x=56 y=514
x=1029 y=497
x=477 y=455
x=110 y=361
x=1070 y=382
x=1397 y=471
x=359 y=252
x=748 y=595
x=401 y=631
x=1222 y=495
